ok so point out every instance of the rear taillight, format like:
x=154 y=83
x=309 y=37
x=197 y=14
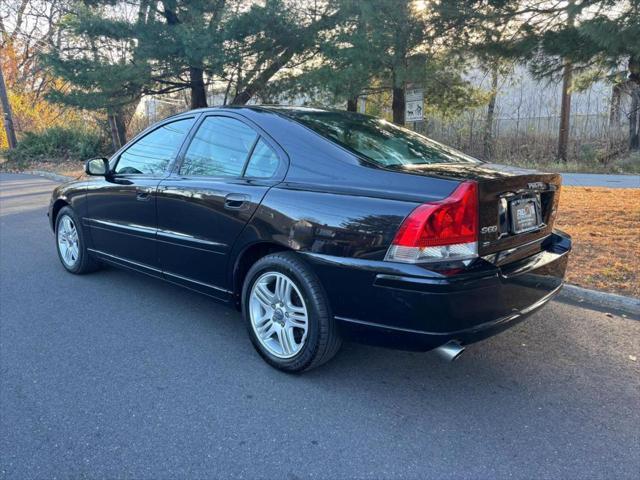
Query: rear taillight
x=441 y=231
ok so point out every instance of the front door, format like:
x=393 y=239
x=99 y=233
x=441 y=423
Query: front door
x=202 y=208
x=121 y=215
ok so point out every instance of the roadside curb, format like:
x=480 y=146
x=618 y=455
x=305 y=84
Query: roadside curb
x=49 y=175
x=602 y=300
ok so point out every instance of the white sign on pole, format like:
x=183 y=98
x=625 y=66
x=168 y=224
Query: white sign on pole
x=414 y=105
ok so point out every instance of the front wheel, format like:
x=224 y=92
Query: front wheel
x=71 y=245
x=287 y=314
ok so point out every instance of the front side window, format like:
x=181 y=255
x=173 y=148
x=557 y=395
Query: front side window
x=219 y=148
x=152 y=153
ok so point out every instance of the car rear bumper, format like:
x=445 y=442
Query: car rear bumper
x=410 y=307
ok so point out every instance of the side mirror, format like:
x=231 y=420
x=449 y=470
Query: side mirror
x=97 y=166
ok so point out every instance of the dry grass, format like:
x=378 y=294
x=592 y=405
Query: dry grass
x=68 y=168
x=605 y=226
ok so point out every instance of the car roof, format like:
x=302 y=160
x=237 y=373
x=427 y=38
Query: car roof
x=282 y=109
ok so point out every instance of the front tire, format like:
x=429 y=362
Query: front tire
x=287 y=314
x=71 y=245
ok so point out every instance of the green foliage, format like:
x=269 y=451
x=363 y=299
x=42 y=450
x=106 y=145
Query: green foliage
x=96 y=61
x=446 y=92
x=274 y=39
x=115 y=51
x=377 y=46
x=59 y=144
x=594 y=35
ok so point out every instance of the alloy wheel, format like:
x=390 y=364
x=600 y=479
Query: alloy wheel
x=68 y=241
x=278 y=314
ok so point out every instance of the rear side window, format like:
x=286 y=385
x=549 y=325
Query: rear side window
x=219 y=148
x=152 y=153
x=263 y=162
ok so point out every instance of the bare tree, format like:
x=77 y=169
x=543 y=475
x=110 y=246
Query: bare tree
x=28 y=28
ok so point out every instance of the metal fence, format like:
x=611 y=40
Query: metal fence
x=530 y=139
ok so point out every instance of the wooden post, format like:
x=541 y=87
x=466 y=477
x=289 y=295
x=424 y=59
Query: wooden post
x=7 y=114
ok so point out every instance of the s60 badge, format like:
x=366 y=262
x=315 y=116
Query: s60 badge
x=489 y=229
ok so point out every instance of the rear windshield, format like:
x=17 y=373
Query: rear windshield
x=379 y=141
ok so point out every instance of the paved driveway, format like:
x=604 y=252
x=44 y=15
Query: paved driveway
x=116 y=375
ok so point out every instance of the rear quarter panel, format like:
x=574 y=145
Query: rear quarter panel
x=327 y=223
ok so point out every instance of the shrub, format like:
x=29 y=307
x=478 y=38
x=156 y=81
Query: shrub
x=57 y=144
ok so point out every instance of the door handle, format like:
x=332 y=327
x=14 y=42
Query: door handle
x=143 y=196
x=235 y=201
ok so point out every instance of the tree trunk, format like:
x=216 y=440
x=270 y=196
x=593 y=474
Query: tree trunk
x=196 y=74
x=198 y=91
x=614 y=108
x=398 y=104
x=7 y=114
x=565 y=112
x=118 y=120
x=634 y=113
x=487 y=141
x=121 y=126
x=634 y=120
x=113 y=128
x=260 y=81
x=242 y=98
x=352 y=104
x=289 y=49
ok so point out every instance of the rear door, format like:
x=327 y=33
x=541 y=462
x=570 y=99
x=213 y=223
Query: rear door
x=203 y=206
x=122 y=206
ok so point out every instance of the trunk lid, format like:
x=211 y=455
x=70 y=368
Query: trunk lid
x=501 y=189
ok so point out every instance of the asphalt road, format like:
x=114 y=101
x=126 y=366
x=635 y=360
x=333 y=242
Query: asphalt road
x=601 y=180
x=116 y=375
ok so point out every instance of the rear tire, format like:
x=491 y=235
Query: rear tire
x=287 y=314
x=71 y=244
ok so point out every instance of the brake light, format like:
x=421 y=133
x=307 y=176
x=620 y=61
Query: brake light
x=446 y=230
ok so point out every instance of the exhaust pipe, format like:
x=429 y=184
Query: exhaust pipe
x=450 y=350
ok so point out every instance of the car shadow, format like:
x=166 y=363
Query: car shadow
x=490 y=364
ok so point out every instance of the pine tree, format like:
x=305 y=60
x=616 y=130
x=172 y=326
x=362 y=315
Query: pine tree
x=401 y=33
x=611 y=40
x=113 y=55
x=347 y=64
x=97 y=60
x=570 y=39
x=183 y=41
x=379 y=47
x=270 y=38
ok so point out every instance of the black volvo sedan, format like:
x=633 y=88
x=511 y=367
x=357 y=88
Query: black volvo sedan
x=321 y=226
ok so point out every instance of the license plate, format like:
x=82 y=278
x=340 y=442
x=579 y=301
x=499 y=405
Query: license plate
x=525 y=215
